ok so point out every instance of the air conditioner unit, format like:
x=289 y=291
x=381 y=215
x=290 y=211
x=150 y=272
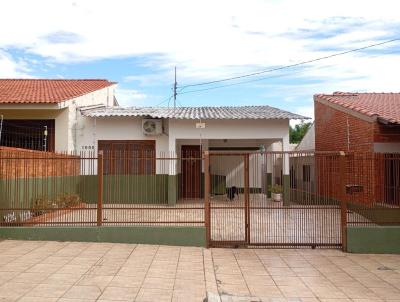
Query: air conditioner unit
x=151 y=127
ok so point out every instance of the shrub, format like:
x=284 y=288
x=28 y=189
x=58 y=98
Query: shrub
x=276 y=189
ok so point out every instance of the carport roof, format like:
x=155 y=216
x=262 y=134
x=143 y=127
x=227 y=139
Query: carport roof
x=195 y=113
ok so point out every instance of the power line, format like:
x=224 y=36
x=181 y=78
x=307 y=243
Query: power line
x=288 y=66
x=166 y=100
x=239 y=83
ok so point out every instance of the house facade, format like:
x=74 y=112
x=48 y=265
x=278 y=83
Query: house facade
x=83 y=115
x=29 y=107
x=365 y=126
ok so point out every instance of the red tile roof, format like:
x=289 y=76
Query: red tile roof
x=41 y=91
x=384 y=106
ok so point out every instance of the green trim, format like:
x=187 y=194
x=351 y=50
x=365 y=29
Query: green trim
x=173 y=189
x=374 y=239
x=269 y=184
x=377 y=213
x=181 y=236
x=286 y=189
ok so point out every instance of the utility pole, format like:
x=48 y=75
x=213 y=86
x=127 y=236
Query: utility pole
x=175 y=86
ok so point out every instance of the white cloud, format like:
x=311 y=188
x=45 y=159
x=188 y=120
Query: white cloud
x=211 y=39
x=130 y=97
x=10 y=68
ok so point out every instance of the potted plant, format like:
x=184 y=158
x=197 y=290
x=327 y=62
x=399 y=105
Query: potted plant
x=276 y=192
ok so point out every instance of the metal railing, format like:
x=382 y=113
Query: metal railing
x=281 y=199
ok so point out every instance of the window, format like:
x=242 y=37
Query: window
x=128 y=157
x=306 y=173
x=28 y=134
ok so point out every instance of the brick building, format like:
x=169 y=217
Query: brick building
x=367 y=127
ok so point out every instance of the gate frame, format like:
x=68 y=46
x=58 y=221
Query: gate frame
x=246 y=242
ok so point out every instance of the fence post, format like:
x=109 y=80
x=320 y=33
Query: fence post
x=100 y=188
x=246 y=198
x=207 y=218
x=343 y=199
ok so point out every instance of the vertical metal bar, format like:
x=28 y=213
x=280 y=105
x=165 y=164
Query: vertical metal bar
x=99 y=188
x=343 y=202
x=207 y=197
x=246 y=198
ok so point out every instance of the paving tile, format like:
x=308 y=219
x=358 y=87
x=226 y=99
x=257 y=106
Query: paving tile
x=62 y=279
x=127 y=281
x=233 y=289
x=161 y=283
x=153 y=294
x=296 y=291
x=83 y=292
x=265 y=291
x=188 y=296
x=48 y=290
x=97 y=280
x=13 y=290
x=37 y=299
x=33 y=278
x=44 y=271
x=119 y=293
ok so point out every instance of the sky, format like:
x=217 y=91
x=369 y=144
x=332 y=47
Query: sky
x=138 y=44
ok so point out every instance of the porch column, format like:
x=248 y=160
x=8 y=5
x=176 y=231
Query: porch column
x=173 y=191
x=286 y=170
x=268 y=172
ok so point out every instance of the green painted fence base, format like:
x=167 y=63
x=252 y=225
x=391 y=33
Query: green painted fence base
x=374 y=240
x=172 y=189
x=181 y=236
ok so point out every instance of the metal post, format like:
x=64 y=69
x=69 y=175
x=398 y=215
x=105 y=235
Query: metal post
x=100 y=188
x=1 y=126
x=343 y=200
x=246 y=198
x=45 y=138
x=207 y=218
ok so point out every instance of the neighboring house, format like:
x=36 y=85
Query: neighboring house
x=30 y=106
x=357 y=123
x=83 y=115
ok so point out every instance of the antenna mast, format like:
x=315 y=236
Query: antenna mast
x=175 y=86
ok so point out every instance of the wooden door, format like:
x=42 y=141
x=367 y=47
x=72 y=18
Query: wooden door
x=191 y=172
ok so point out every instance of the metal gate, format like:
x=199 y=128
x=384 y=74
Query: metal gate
x=242 y=199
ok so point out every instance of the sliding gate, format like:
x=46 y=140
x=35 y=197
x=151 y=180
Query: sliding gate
x=243 y=207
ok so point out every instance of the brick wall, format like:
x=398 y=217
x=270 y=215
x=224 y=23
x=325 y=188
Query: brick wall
x=334 y=129
x=22 y=163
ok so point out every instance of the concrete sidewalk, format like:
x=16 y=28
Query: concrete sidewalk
x=68 y=271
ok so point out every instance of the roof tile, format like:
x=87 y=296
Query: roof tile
x=240 y=112
x=43 y=91
x=381 y=105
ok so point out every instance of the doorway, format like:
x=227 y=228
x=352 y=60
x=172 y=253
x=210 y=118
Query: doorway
x=191 y=171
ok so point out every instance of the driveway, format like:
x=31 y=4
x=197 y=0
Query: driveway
x=71 y=271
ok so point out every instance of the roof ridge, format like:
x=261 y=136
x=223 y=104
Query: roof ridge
x=48 y=79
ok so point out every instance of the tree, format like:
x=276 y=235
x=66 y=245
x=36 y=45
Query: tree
x=297 y=132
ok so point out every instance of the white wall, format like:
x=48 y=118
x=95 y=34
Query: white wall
x=308 y=141
x=76 y=122
x=238 y=133
x=229 y=129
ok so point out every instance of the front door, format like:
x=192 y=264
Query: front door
x=191 y=172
